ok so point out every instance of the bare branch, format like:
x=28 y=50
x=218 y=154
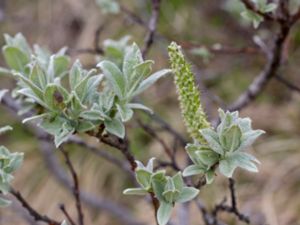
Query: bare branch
x=270 y=71
x=67 y=215
x=37 y=216
x=76 y=189
x=151 y=26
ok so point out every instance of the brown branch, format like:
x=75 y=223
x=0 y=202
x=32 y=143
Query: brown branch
x=37 y=216
x=288 y=83
x=232 y=209
x=67 y=215
x=76 y=189
x=270 y=71
x=151 y=27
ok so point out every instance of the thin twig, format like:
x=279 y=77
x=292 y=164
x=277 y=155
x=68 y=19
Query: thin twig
x=76 y=189
x=288 y=83
x=37 y=216
x=67 y=215
x=151 y=27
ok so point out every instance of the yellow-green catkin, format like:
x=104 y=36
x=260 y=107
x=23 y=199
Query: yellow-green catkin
x=189 y=96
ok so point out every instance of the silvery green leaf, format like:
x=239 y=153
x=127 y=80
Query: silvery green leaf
x=75 y=74
x=244 y=124
x=15 y=162
x=92 y=115
x=226 y=121
x=2 y=93
x=139 y=106
x=269 y=8
x=159 y=181
x=91 y=87
x=212 y=140
x=151 y=80
x=35 y=89
x=5 y=129
x=63 y=135
x=115 y=77
x=4 y=71
x=192 y=149
x=150 y=163
x=15 y=58
x=193 y=170
x=245 y=161
x=249 y=137
x=187 y=194
x=252 y=17
x=58 y=66
x=210 y=176
x=207 y=157
x=55 y=96
x=109 y=6
x=32 y=96
x=171 y=195
x=53 y=125
x=139 y=72
x=178 y=181
x=20 y=42
x=36 y=117
x=164 y=212
x=143 y=177
x=125 y=112
x=135 y=191
x=4 y=202
x=231 y=138
x=227 y=166
x=85 y=126
x=37 y=76
x=132 y=58
x=64 y=223
x=81 y=88
x=115 y=126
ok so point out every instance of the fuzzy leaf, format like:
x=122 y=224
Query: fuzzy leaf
x=135 y=191
x=164 y=213
x=187 y=194
x=193 y=170
x=116 y=127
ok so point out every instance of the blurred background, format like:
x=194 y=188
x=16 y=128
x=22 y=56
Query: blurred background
x=203 y=28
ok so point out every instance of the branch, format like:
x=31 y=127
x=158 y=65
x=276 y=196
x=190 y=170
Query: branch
x=67 y=215
x=76 y=189
x=288 y=84
x=250 y=6
x=270 y=71
x=37 y=216
x=233 y=209
x=151 y=26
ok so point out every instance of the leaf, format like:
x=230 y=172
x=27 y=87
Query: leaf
x=178 y=181
x=227 y=166
x=139 y=106
x=143 y=177
x=109 y=6
x=249 y=137
x=210 y=176
x=15 y=58
x=32 y=96
x=125 y=112
x=116 y=127
x=64 y=223
x=36 y=117
x=4 y=202
x=4 y=71
x=37 y=76
x=92 y=115
x=151 y=80
x=132 y=58
x=58 y=65
x=252 y=17
x=5 y=129
x=55 y=96
x=134 y=191
x=2 y=93
x=114 y=76
x=212 y=140
x=85 y=126
x=245 y=161
x=164 y=213
x=158 y=183
x=193 y=170
x=35 y=89
x=231 y=138
x=75 y=74
x=187 y=194
x=208 y=157
x=65 y=133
